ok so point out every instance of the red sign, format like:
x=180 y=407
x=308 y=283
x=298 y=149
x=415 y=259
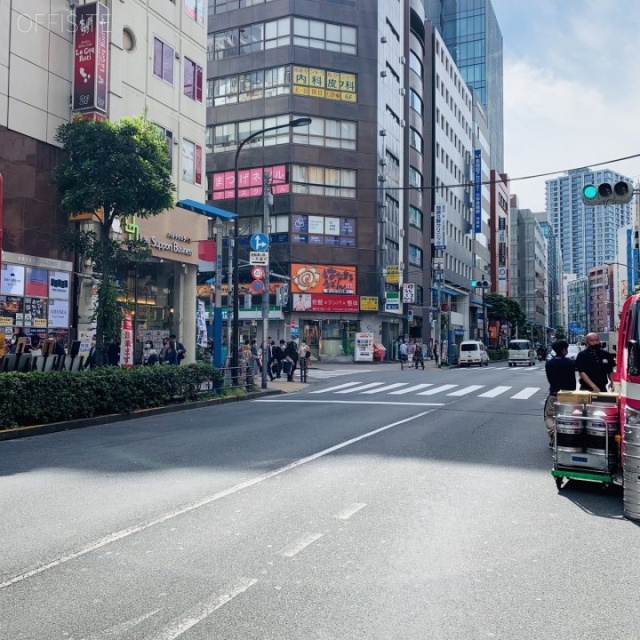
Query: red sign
x=198 y=164
x=257 y=273
x=257 y=286
x=322 y=278
x=90 y=54
x=126 y=341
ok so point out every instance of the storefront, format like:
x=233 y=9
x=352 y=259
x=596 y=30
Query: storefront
x=35 y=296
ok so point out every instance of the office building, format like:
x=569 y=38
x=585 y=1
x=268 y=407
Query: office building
x=554 y=270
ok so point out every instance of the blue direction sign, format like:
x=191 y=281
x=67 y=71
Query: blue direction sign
x=259 y=242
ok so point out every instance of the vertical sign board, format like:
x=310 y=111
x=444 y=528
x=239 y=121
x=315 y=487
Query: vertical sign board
x=439 y=227
x=477 y=190
x=126 y=341
x=90 y=57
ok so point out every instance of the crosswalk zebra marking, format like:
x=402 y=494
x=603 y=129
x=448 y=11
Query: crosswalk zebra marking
x=492 y=393
x=381 y=389
x=527 y=392
x=340 y=386
x=432 y=392
x=466 y=390
x=361 y=388
x=410 y=389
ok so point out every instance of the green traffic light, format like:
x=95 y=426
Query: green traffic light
x=590 y=191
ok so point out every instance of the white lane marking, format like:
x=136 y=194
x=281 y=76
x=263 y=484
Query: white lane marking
x=432 y=392
x=119 y=629
x=410 y=389
x=466 y=390
x=348 y=511
x=201 y=611
x=322 y=374
x=361 y=387
x=298 y=545
x=492 y=393
x=124 y=533
x=527 y=392
x=361 y=402
x=339 y=386
x=381 y=389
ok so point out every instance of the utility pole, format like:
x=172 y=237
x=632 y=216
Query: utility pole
x=266 y=229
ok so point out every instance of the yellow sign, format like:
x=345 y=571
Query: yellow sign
x=393 y=274
x=368 y=303
x=318 y=83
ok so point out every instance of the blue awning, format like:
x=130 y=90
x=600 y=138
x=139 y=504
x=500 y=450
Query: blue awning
x=449 y=292
x=205 y=209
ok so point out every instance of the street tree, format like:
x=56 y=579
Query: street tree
x=505 y=310
x=112 y=170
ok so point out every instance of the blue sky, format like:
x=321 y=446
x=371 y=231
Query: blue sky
x=571 y=88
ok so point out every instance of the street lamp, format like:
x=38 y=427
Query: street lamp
x=235 y=337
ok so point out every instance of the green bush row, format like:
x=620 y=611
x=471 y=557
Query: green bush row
x=498 y=354
x=38 y=398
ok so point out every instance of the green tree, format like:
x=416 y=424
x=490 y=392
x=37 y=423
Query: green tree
x=112 y=170
x=505 y=310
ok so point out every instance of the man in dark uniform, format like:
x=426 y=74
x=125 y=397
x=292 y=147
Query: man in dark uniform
x=561 y=374
x=594 y=365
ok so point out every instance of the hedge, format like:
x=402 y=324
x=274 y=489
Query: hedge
x=497 y=354
x=38 y=398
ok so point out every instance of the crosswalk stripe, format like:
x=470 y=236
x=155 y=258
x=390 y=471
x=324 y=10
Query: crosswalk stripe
x=492 y=393
x=381 y=389
x=432 y=392
x=410 y=389
x=527 y=392
x=361 y=388
x=340 y=386
x=466 y=390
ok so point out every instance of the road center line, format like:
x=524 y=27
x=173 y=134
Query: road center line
x=298 y=545
x=349 y=510
x=200 y=612
x=129 y=531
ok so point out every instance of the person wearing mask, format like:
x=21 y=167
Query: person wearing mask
x=418 y=356
x=278 y=357
x=149 y=354
x=594 y=365
x=180 y=348
x=561 y=375
x=36 y=347
x=171 y=353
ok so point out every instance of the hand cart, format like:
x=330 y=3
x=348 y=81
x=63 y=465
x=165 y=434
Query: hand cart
x=594 y=464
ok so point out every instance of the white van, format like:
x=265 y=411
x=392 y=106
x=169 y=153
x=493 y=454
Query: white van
x=521 y=352
x=473 y=352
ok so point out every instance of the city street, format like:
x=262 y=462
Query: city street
x=373 y=503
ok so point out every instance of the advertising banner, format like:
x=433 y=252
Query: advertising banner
x=126 y=341
x=477 y=190
x=335 y=303
x=36 y=283
x=326 y=279
x=369 y=303
x=58 y=313
x=250 y=182
x=12 y=280
x=59 y=283
x=90 y=57
x=409 y=292
x=439 y=227
x=202 y=325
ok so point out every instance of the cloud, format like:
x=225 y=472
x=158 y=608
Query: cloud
x=570 y=89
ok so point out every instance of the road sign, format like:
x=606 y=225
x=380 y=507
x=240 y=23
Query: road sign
x=259 y=242
x=257 y=273
x=257 y=286
x=259 y=257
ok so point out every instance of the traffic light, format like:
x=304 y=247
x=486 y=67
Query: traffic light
x=480 y=284
x=605 y=193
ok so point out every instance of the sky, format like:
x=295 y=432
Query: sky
x=571 y=88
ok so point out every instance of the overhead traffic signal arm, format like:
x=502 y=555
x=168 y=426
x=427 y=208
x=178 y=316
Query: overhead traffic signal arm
x=480 y=284
x=605 y=193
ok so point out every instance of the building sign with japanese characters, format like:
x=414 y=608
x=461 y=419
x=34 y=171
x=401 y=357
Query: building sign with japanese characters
x=319 y=83
x=250 y=182
x=325 y=279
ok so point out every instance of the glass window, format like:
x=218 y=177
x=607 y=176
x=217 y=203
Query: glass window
x=225 y=43
x=415 y=102
x=192 y=80
x=415 y=140
x=163 y=57
x=415 y=217
x=415 y=255
x=324 y=181
x=415 y=64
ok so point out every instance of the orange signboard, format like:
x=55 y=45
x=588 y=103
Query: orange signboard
x=322 y=278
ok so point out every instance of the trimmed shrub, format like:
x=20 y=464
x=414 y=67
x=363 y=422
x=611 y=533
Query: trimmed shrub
x=38 y=398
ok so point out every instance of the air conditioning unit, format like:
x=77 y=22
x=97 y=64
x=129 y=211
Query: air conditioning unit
x=403 y=91
x=383 y=132
x=383 y=74
x=403 y=123
x=383 y=162
x=383 y=40
x=402 y=233
x=403 y=60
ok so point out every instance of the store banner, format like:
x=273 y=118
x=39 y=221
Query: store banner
x=206 y=255
x=202 y=325
x=335 y=303
x=90 y=57
x=37 y=283
x=439 y=227
x=126 y=341
x=323 y=279
x=58 y=313
x=59 y=284
x=477 y=190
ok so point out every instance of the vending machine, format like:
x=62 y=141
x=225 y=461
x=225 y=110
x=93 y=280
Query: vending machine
x=364 y=348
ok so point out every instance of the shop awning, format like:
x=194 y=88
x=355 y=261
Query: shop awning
x=449 y=292
x=205 y=209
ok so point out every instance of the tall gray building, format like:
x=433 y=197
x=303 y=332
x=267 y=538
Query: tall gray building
x=471 y=32
x=588 y=235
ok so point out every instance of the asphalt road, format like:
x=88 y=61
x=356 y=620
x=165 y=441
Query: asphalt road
x=375 y=503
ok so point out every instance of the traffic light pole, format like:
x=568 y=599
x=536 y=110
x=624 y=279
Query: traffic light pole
x=266 y=229
x=484 y=317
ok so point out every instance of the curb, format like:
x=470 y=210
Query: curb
x=82 y=423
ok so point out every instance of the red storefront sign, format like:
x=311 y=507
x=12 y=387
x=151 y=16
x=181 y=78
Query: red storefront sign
x=126 y=341
x=90 y=57
x=250 y=182
x=198 y=164
x=335 y=303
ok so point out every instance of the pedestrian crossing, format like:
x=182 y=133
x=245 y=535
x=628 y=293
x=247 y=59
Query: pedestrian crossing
x=355 y=387
x=321 y=374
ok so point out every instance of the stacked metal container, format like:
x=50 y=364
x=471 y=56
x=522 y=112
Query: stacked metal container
x=631 y=466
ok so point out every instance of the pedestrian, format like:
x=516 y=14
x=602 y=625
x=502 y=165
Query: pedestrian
x=149 y=354
x=404 y=354
x=36 y=346
x=180 y=348
x=91 y=358
x=435 y=353
x=254 y=362
x=290 y=359
x=418 y=356
x=594 y=365
x=561 y=375
x=278 y=358
x=171 y=354
x=271 y=345
x=304 y=358
x=163 y=350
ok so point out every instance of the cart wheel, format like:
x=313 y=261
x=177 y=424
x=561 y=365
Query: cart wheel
x=559 y=483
